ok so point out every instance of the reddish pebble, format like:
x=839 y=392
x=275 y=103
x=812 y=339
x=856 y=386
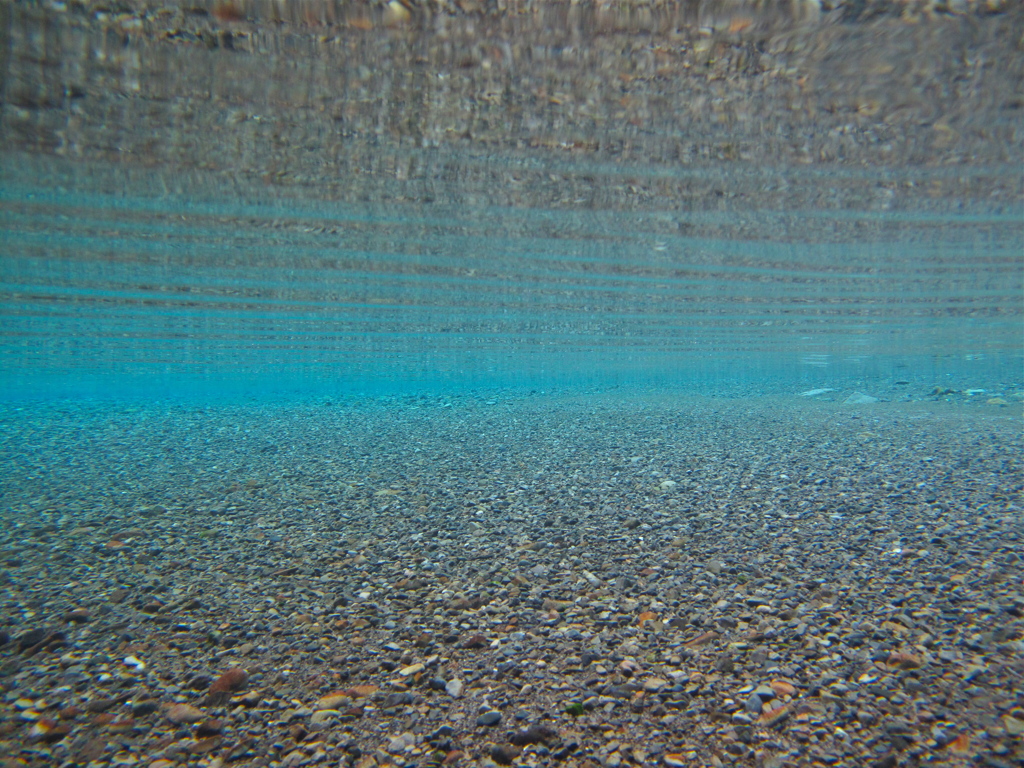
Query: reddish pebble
x=702 y=639
x=122 y=724
x=78 y=616
x=904 y=660
x=232 y=680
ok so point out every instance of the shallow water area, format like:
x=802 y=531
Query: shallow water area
x=535 y=384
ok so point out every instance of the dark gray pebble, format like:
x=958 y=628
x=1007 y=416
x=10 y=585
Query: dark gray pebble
x=489 y=718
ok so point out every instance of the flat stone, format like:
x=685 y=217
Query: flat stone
x=1013 y=726
x=333 y=701
x=753 y=704
x=323 y=717
x=859 y=398
x=654 y=684
x=184 y=713
x=489 y=718
x=401 y=742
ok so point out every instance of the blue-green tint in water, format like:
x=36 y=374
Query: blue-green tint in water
x=261 y=198
x=155 y=294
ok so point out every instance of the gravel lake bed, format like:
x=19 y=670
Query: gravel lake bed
x=572 y=580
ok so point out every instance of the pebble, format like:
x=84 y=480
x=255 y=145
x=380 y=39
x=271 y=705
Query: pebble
x=232 y=680
x=323 y=717
x=144 y=707
x=859 y=398
x=210 y=727
x=534 y=734
x=489 y=718
x=775 y=628
x=1013 y=725
x=184 y=713
x=753 y=704
x=399 y=699
x=333 y=701
x=503 y=754
x=401 y=742
x=782 y=688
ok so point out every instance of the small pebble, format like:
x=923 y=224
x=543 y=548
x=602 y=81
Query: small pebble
x=489 y=718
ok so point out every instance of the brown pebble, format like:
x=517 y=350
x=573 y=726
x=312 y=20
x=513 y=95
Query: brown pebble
x=777 y=715
x=222 y=688
x=333 y=700
x=184 y=713
x=99 y=705
x=782 y=688
x=701 y=639
x=122 y=724
x=56 y=733
x=203 y=746
x=904 y=660
x=78 y=615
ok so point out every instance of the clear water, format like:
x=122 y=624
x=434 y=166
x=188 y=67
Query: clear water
x=623 y=323
x=150 y=249
x=144 y=295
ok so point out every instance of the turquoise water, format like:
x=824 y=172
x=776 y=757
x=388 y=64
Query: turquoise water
x=144 y=293
x=263 y=199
